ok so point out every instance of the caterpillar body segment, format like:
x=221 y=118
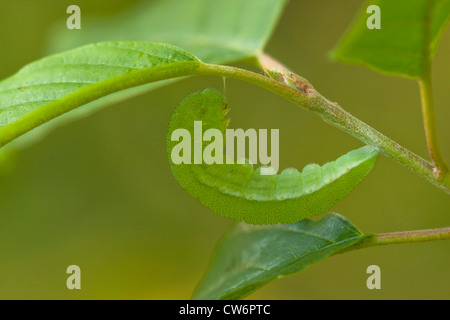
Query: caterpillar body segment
x=241 y=192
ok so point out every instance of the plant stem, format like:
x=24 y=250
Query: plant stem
x=382 y=239
x=268 y=62
x=293 y=88
x=333 y=114
x=426 y=92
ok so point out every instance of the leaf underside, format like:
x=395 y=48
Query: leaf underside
x=248 y=257
x=59 y=83
x=219 y=31
x=409 y=35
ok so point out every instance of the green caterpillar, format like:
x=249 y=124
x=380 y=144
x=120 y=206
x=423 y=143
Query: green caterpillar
x=239 y=192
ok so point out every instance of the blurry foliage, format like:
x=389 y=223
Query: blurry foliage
x=98 y=193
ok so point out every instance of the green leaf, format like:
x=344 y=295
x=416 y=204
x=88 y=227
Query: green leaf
x=248 y=256
x=409 y=35
x=219 y=31
x=57 y=84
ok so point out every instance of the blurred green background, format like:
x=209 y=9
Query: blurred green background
x=98 y=192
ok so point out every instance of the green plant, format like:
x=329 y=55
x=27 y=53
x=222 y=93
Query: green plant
x=51 y=87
